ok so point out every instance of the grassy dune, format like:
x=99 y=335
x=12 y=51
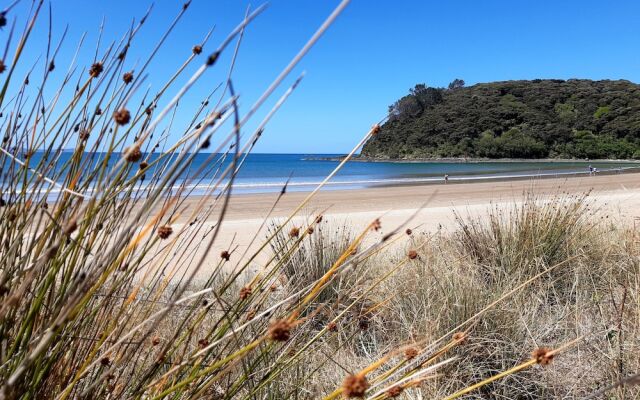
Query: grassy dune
x=539 y=273
x=97 y=281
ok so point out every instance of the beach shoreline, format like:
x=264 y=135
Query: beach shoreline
x=411 y=196
x=471 y=160
x=429 y=208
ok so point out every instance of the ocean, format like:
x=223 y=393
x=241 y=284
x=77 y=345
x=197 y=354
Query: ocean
x=269 y=172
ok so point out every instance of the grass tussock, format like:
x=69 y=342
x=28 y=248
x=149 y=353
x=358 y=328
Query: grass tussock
x=110 y=286
x=305 y=260
x=593 y=295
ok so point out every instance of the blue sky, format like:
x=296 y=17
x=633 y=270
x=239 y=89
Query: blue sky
x=371 y=56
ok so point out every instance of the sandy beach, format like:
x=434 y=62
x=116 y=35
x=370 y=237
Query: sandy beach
x=433 y=205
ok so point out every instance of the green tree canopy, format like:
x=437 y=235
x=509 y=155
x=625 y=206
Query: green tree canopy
x=514 y=119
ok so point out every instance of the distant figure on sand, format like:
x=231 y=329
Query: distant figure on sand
x=590 y=170
x=446 y=178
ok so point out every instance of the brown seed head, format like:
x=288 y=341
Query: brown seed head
x=250 y=315
x=51 y=251
x=71 y=227
x=355 y=386
x=310 y=230
x=84 y=134
x=394 y=391
x=202 y=343
x=273 y=287
x=375 y=130
x=542 y=355
x=164 y=231
x=105 y=361
x=410 y=353
x=155 y=341
x=212 y=58
x=318 y=219
x=280 y=330
x=143 y=165
x=294 y=232
x=3 y=67
x=459 y=337
x=376 y=225
x=408 y=231
x=127 y=77
x=96 y=69
x=332 y=326
x=122 y=116
x=245 y=292
x=225 y=255
x=197 y=49
x=412 y=254
x=133 y=154
x=98 y=111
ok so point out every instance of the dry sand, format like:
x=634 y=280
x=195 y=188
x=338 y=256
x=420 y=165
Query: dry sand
x=618 y=195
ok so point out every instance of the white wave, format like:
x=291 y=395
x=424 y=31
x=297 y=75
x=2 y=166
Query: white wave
x=356 y=183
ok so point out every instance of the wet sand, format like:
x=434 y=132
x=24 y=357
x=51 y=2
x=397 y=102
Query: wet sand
x=251 y=206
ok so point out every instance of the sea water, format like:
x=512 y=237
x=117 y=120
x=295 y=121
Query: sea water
x=303 y=172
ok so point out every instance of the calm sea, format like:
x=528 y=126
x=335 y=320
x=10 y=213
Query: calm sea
x=265 y=172
x=269 y=172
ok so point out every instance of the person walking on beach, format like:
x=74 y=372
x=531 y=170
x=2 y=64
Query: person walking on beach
x=590 y=170
x=446 y=178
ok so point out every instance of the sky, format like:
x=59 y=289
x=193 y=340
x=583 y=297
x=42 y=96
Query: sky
x=371 y=56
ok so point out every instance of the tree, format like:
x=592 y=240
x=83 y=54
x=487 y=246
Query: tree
x=566 y=112
x=456 y=84
x=429 y=97
x=516 y=144
x=408 y=106
x=420 y=98
x=419 y=88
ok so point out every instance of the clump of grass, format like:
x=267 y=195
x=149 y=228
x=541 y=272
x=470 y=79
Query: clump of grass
x=529 y=236
x=98 y=282
x=305 y=260
x=457 y=274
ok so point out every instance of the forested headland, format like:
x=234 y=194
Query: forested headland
x=541 y=118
